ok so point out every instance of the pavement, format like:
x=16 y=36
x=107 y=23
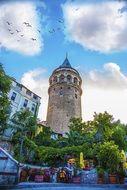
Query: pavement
x=62 y=186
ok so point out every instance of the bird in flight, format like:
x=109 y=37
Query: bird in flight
x=22 y=35
x=61 y=21
x=8 y=23
x=9 y=29
x=39 y=31
x=52 y=31
x=26 y=23
x=11 y=33
x=34 y=39
x=18 y=31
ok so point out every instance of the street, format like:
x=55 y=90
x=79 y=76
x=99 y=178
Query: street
x=48 y=186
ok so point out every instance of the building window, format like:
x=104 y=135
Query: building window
x=18 y=86
x=69 y=88
x=13 y=96
x=35 y=96
x=28 y=92
x=33 y=107
x=62 y=78
x=25 y=103
x=69 y=78
x=61 y=87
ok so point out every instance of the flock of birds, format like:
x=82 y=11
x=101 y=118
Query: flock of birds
x=12 y=32
x=27 y=24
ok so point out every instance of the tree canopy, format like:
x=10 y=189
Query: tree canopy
x=5 y=85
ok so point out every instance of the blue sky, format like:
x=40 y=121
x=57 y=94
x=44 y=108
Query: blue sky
x=92 y=32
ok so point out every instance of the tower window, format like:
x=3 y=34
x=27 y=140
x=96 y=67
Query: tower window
x=61 y=93
x=75 y=80
x=62 y=78
x=13 y=96
x=25 y=103
x=55 y=79
x=54 y=89
x=76 y=96
x=61 y=87
x=69 y=88
x=69 y=78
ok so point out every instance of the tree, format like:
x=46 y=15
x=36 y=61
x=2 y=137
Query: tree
x=104 y=122
x=119 y=137
x=109 y=156
x=25 y=125
x=44 y=137
x=5 y=85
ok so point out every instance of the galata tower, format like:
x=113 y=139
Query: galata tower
x=64 y=97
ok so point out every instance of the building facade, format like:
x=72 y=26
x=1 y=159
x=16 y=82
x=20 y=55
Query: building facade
x=22 y=97
x=64 y=97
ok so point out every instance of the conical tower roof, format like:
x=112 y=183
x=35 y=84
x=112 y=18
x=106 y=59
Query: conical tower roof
x=65 y=64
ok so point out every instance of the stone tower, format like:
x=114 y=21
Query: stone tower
x=64 y=97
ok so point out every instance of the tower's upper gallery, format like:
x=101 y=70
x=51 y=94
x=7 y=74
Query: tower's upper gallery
x=65 y=73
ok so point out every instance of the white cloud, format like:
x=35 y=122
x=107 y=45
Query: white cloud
x=97 y=26
x=103 y=90
x=36 y=81
x=12 y=18
x=110 y=77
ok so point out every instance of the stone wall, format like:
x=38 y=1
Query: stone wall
x=64 y=101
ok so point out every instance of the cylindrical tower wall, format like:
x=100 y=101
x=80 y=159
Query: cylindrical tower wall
x=64 y=99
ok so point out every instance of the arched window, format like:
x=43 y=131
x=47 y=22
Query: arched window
x=55 y=79
x=80 y=83
x=75 y=80
x=69 y=78
x=62 y=78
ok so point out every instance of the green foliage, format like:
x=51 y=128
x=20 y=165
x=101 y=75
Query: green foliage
x=5 y=84
x=25 y=125
x=100 y=171
x=109 y=156
x=119 y=137
x=44 y=137
x=105 y=123
x=45 y=150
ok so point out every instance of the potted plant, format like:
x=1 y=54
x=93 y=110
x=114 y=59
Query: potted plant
x=76 y=176
x=109 y=157
x=100 y=173
x=39 y=177
x=112 y=175
x=121 y=175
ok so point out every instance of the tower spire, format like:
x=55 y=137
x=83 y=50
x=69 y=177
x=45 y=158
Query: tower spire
x=66 y=55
